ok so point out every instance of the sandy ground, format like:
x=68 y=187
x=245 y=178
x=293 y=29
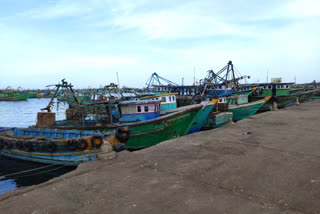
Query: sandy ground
x=265 y=164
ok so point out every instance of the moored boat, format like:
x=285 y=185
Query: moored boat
x=13 y=96
x=244 y=109
x=51 y=146
x=282 y=95
x=203 y=116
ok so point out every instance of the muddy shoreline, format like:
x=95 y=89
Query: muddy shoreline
x=268 y=163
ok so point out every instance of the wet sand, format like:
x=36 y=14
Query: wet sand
x=268 y=163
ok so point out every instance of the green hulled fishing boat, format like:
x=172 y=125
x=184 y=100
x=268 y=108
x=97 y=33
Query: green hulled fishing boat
x=203 y=116
x=32 y=95
x=142 y=134
x=13 y=96
x=241 y=108
x=282 y=95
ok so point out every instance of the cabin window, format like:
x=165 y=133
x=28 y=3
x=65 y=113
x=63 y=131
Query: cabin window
x=282 y=86
x=163 y=99
x=287 y=86
x=155 y=108
x=220 y=100
x=269 y=86
x=170 y=99
x=146 y=108
x=220 y=87
x=138 y=108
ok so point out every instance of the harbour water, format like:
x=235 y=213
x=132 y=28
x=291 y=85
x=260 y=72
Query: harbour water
x=24 y=114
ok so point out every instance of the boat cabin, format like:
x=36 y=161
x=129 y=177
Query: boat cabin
x=275 y=89
x=168 y=100
x=237 y=100
x=139 y=110
x=223 y=90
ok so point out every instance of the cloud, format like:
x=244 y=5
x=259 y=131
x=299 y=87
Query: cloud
x=59 y=9
x=181 y=22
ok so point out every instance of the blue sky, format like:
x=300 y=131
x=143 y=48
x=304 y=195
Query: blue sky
x=88 y=41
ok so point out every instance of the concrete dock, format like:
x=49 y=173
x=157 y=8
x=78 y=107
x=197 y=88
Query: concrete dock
x=269 y=163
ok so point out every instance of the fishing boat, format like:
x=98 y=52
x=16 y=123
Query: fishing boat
x=13 y=96
x=241 y=108
x=203 y=116
x=32 y=95
x=52 y=146
x=142 y=133
x=281 y=95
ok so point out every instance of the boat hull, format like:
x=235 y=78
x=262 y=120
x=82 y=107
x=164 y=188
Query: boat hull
x=204 y=113
x=284 y=101
x=241 y=112
x=51 y=146
x=152 y=133
x=19 y=97
x=217 y=119
x=71 y=159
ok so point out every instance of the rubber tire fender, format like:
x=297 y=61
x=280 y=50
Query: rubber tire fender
x=72 y=144
x=122 y=130
x=121 y=138
x=19 y=144
x=28 y=146
x=82 y=144
x=97 y=136
x=52 y=147
x=8 y=144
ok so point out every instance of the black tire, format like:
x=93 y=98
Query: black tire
x=94 y=138
x=122 y=138
x=72 y=144
x=7 y=144
x=122 y=130
x=52 y=147
x=82 y=144
x=28 y=146
x=19 y=144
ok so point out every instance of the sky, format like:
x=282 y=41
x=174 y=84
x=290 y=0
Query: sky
x=89 y=41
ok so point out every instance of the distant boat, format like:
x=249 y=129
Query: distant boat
x=13 y=96
x=282 y=95
x=32 y=95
